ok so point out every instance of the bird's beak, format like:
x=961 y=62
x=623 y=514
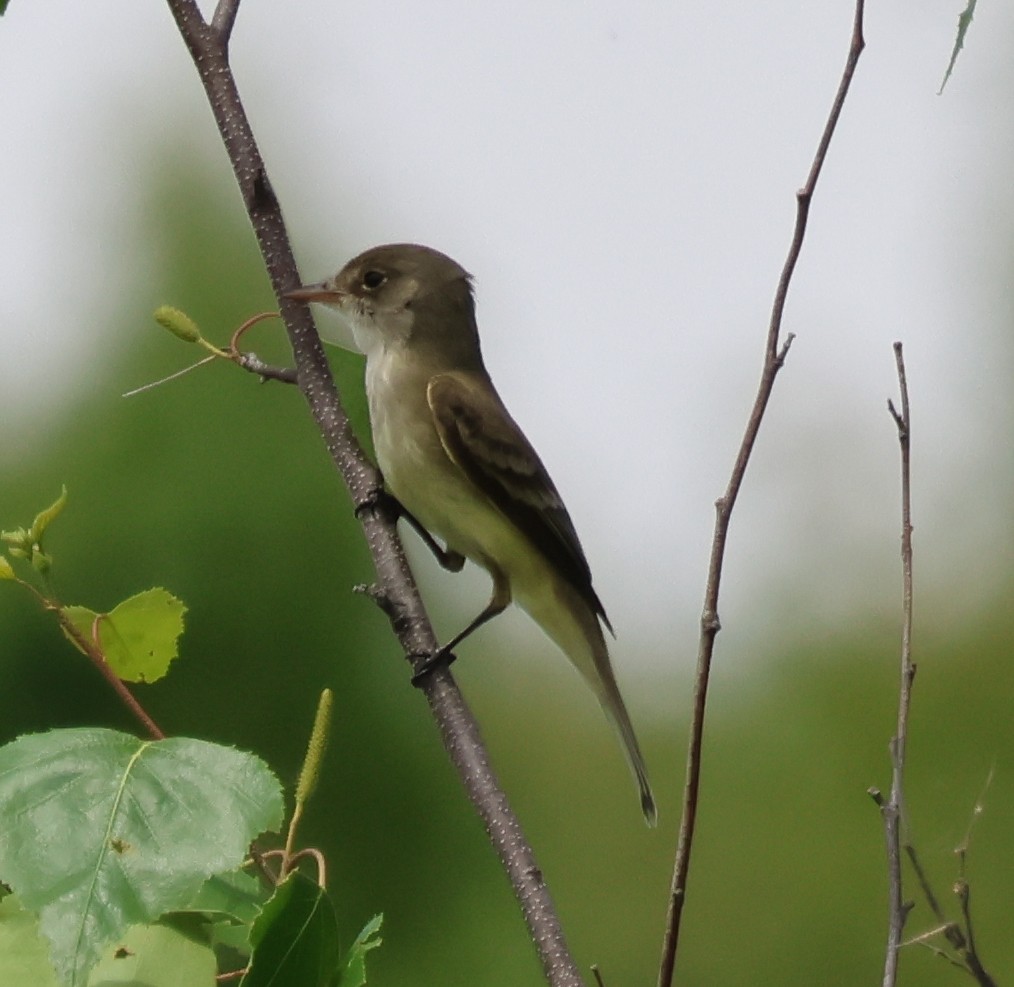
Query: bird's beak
x=319 y=292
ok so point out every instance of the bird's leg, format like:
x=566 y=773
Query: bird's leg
x=452 y=561
x=385 y=502
x=498 y=602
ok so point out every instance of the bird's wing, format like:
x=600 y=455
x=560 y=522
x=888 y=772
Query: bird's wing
x=482 y=439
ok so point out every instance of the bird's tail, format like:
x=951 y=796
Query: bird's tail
x=576 y=630
x=608 y=692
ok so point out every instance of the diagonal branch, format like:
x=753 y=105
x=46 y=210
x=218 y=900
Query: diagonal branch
x=774 y=356
x=460 y=732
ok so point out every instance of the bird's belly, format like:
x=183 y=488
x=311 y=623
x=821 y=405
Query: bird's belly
x=454 y=510
x=444 y=500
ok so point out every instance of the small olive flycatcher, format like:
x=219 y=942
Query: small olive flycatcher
x=455 y=459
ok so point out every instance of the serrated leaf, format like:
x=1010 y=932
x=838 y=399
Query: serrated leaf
x=24 y=958
x=295 y=938
x=138 y=636
x=46 y=517
x=100 y=830
x=353 y=968
x=166 y=954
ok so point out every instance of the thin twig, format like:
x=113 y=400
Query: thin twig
x=977 y=810
x=93 y=649
x=924 y=885
x=960 y=936
x=458 y=728
x=253 y=363
x=963 y=889
x=774 y=357
x=893 y=810
x=224 y=19
x=165 y=380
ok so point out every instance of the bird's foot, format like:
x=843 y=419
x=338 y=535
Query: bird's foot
x=424 y=664
x=380 y=501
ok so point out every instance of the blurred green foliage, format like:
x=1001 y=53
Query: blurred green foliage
x=218 y=488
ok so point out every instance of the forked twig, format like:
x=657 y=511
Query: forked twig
x=960 y=936
x=774 y=356
x=893 y=809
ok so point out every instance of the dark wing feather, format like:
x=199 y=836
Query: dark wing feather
x=484 y=441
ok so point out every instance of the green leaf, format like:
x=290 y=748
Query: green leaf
x=295 y=938
x=100 y=830
x=235 y=935
x=353 y=968
x=236 y=894
x=166 y=954
x=46 y=517
x=26 y=543
x=6 y=569
x=23 y=955
x=231 y=901
x=138 y=636
x=17 y=538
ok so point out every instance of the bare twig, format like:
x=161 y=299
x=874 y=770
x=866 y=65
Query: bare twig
x=968 y=950
x=459 y=731
x=165 y=380
x=224 y=19
x=977 y=810
x=893 y=810
x=93 y=649
x=961 y=937
x=774 y=356
x=924 y=884
x=253 y=363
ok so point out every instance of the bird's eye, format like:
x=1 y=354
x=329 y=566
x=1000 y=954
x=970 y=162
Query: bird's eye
x=374 y=279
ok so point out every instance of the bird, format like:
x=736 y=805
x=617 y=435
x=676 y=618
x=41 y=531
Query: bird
x=460 y=466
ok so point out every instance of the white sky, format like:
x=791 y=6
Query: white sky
x=620 y=178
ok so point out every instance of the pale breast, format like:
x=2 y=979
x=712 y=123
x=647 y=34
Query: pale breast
x=419 y=472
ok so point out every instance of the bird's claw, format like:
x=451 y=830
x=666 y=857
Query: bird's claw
x=423 y=663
